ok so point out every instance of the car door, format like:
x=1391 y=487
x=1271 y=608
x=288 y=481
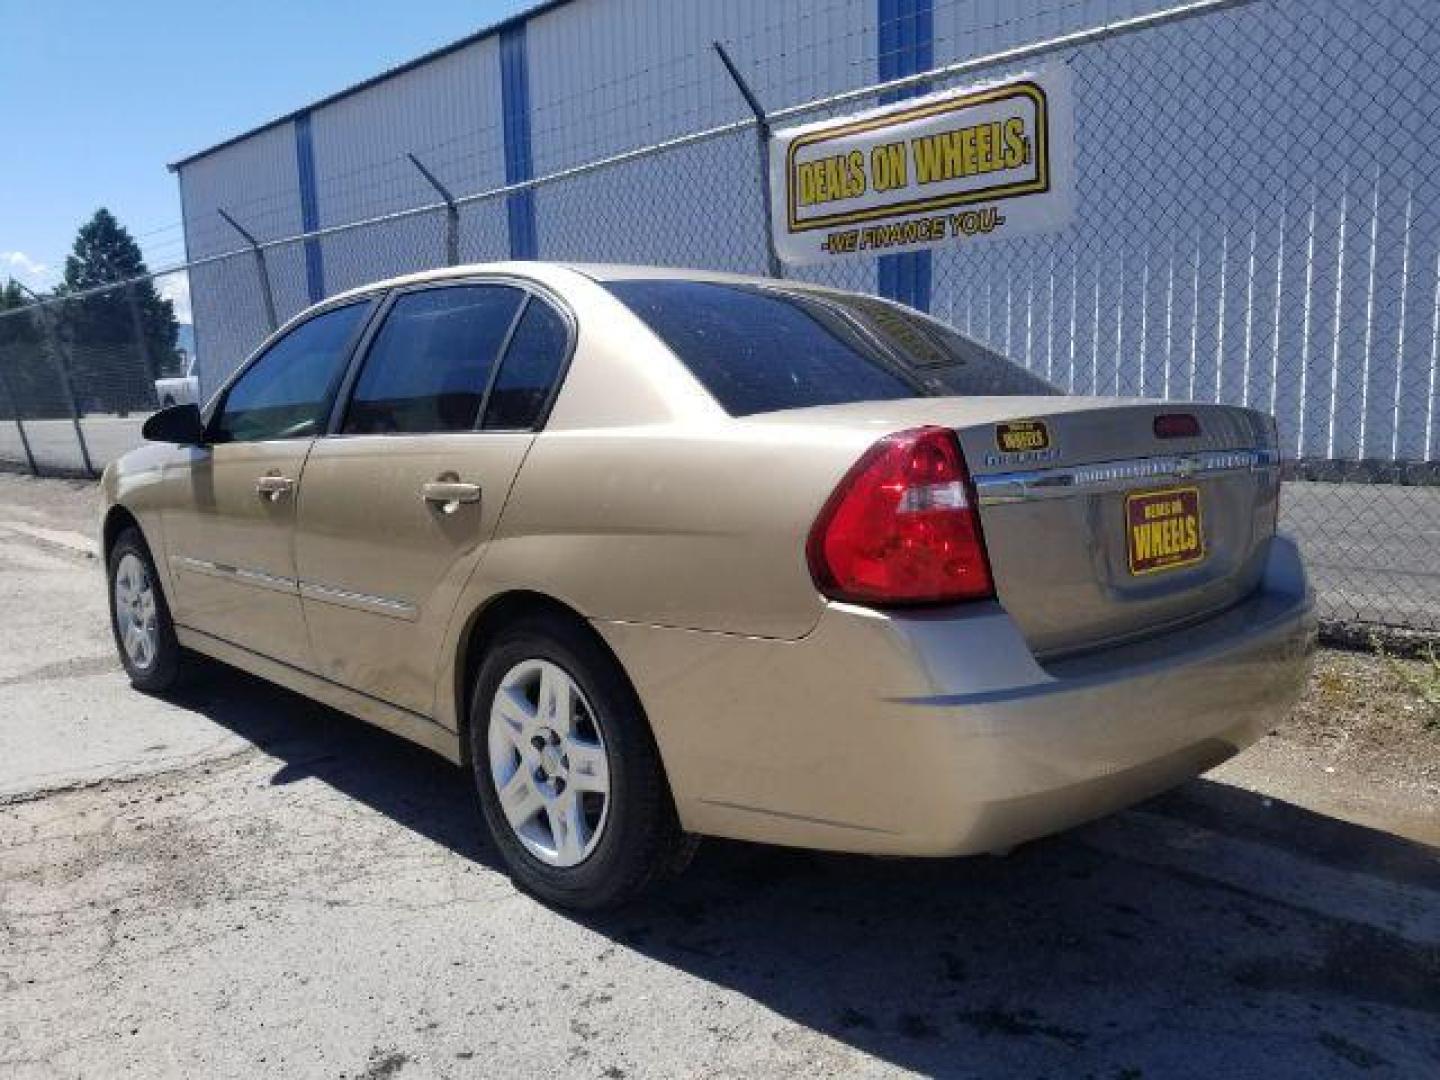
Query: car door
x=398 y=504
x=230 y=528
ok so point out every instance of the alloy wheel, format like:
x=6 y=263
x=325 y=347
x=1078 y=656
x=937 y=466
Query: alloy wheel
x=135 y=611
x=548 y=763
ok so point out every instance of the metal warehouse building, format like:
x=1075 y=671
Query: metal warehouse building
x=1257 y=186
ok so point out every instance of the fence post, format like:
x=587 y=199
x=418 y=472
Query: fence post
x=762 y=130
x=452 y=213
x=261 y=268
x=19 y=423
x=137 y=323
x=62 y=361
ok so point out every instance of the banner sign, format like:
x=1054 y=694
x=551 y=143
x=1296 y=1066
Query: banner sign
x=954 y=167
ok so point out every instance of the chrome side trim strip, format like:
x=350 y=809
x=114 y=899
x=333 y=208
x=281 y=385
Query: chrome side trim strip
x=196 y=566
x=376 y=605
x=263 y=580
x=310 y=590
x=1065 y=480
x=242 y=574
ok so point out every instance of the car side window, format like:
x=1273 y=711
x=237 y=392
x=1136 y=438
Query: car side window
x=286 y=393
x=528 y=370
x=431 y=361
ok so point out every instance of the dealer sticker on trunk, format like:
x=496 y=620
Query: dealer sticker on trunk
x=1022 y=442
x=1162 y=529
x=1022 y=436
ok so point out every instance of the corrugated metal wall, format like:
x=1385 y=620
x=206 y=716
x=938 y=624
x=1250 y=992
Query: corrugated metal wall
x=447 y=113
x=257 y=182
x=609 y=77
x=1254 y=224
x=965 y=28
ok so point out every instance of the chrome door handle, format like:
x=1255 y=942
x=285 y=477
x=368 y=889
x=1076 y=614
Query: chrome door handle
x=450 y=494
x=274 y=487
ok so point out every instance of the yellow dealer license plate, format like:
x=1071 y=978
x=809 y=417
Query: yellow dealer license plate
x=1163 y=530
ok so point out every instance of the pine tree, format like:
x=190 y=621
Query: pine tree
x=27 y=375
x=11 y=296
x=15 y=329
x=102 y=327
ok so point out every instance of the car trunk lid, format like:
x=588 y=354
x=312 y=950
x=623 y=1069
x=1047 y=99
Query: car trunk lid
x=1102 y=525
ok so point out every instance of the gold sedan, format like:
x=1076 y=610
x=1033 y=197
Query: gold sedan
x=657 y=554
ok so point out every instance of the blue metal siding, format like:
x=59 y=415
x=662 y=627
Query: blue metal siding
x=907 y=34
x=309 y=208
x=519 y=164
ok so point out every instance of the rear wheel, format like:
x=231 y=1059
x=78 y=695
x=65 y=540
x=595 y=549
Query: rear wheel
x=140 y=617
x=567 y=770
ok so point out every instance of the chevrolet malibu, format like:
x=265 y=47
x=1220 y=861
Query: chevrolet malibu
x=657 y=554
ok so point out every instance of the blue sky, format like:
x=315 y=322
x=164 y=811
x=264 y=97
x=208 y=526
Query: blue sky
x=100 y=95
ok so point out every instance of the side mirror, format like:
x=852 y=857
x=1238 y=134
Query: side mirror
x=178 y=424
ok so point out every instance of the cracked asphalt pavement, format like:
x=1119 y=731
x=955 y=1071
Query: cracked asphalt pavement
x=233 y=881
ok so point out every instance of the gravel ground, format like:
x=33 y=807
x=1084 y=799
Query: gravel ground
x=237 y=882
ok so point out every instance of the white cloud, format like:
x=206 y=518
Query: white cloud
x=176 y=289
x=22 y=265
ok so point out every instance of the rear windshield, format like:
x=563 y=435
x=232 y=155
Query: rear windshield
x=759 y=348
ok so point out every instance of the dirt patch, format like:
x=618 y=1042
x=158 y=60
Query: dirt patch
x=1024 y=1024
x=384 y=1066
x=1360 y=963
x=59 y=504
x=1359 y=714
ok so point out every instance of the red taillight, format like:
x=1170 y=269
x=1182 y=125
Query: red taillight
x=1176 y=426
x=902 y=526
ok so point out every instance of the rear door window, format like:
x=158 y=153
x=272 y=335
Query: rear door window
x=759 y=348
x=431 y=362
x=529 y=370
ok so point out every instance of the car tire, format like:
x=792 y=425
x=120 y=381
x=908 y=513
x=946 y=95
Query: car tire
x=140 y=616
x=623 y=844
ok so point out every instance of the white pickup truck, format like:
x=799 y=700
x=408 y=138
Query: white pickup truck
x=179 y=389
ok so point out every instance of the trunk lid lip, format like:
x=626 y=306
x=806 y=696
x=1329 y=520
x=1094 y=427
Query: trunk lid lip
x=971 y=418
x=956 y=412
x=1121 y=474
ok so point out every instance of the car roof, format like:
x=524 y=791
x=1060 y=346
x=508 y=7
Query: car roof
x=547 y=272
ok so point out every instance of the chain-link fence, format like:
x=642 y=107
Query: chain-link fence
x=79 y=373
x=1257 y=222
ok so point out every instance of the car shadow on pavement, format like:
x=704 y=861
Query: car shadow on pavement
x=405 y=782
x=1173 y=940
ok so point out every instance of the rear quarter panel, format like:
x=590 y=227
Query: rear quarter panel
x=689 y=525
x=643 y=501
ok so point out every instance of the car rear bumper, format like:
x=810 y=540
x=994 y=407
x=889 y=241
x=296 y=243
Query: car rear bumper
x=939 y=733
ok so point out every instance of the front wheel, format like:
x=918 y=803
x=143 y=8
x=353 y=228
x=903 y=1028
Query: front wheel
x=140 y=617
x=568 y=773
